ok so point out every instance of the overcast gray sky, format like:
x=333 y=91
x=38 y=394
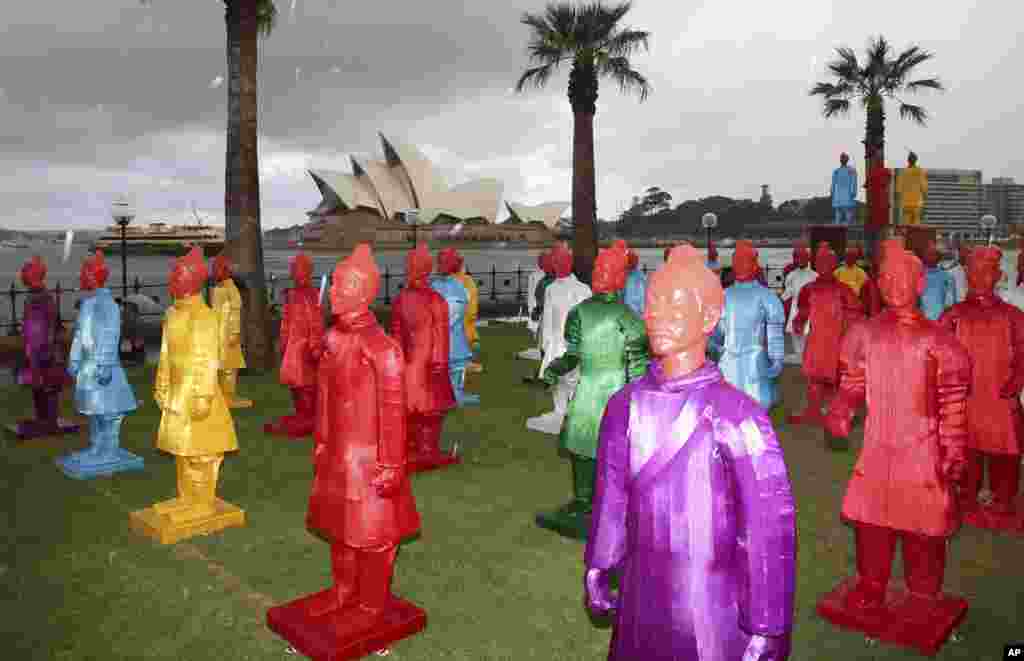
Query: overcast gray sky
x=106 y=97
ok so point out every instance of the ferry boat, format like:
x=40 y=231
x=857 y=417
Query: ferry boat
x=163 y=239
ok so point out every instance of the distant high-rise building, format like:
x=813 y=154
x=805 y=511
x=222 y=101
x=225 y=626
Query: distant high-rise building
x=1005 y=200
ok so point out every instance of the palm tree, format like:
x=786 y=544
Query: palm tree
x=591 y=38
x=246 y=22
x=883 y=77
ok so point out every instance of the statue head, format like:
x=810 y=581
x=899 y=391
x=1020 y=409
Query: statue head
x=418 y=265
x=668 y=250
x=188 y=274
x=825 y=261
x=902 y=278
x=964 y=253
x=633 y=260
x=222 y=267
x=561 y=260
x=545 y=263
x=931 y=255
x=610 y=269
x=356 y=282
x=301 y=269
x=853 y=253
x=983 y=269
x=744 y=261
x=844 y=158
x=798 y=246
x=33 y=273
x=911 y=159
x=449 y=261
x=683 y=304
x=94 y=272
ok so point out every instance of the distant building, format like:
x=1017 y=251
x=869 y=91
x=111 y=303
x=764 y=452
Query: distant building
x=955 y=200
x=766 y=197
x=1005 y=200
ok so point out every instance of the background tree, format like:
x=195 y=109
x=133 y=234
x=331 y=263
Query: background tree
x=246 y=21
x=883 y=77
x=656 y=200
x=591 y=38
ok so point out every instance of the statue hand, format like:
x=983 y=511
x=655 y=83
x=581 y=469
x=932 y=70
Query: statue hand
x=767 y=648
x=838 y=425
x=387 y=481
x=774 y=369
x=599 y=593
x=104 y=375
x=201 y=407
x=73 y=368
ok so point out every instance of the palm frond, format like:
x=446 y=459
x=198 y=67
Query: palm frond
x=561 y=18
x=266 y=17
x=907 y=61
x=846 y=67
x=831 y=90
x=916 y=113
x=878 y=52
x=924 y=83
x=626 y=42
x=546 y=52
x=603 y=21
x=835 y=107
x=625 y=76
x=535 y=77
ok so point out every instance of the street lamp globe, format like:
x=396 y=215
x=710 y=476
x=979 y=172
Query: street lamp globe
x=709 y=220
x=988 y=223
x=123 y=211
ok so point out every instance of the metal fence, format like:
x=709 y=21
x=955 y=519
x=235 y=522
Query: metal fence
x=494 y=286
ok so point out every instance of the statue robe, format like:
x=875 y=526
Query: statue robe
x=693 y=505
x=532 y=281
x=752 y=315
x=472 y=308
x=560 y=297
x=636 y=290
x=43 y=365
x=853 y=277
x=457 y=298
x=960 y=288
x=844 y=187
x=912 y=186
x=302 y=328
x=97 y=343
x=419 y=323
x=189 y=361
x=228 y=303
x=796 y=280
x=360 y=426
x=829 y=307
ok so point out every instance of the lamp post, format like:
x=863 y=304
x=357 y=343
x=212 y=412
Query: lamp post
x=710 y=222
x=412 y=217
x=988 y=224
x=123 y=213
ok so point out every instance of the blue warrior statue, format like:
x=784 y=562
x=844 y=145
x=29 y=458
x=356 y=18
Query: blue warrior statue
x=101 y=389
x=459 y=352
x=844 y=191
x=636 y=286
x=752 y=312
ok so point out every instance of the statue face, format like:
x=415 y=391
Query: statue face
x=301 y=268
x=825 y=262
x=676 y=320
x=355 y=283
x=221 y=268
x=33 y=273
x=803 y=258
x=983 y=272
x=449 y=261
x=902 y=280
x=93 y=274
x=844 y=159
x=561 y=261
x=744 y=263
x=609 y=273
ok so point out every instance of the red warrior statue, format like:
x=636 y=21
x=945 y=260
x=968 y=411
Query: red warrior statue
x=419 y=323
x=361 y=500
x=992 y=331
x=301 y=342
x=877 y=182
x=830 y=307
x=915 y=376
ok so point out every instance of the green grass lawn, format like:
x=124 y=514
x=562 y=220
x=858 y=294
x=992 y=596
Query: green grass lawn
x=75 y=583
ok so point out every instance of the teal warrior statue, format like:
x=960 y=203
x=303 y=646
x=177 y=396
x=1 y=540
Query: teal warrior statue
x=102 y=391
x=607 y=341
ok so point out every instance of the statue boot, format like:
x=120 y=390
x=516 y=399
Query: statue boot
x=198 y=488
x=573 y=519
x=339 y=595
x=551 y=422
x=301 y=424
x=811 y=415
x=229 y=386
x=104 y=456
x=457 y=374
x=424 y=433
x=1005 y=511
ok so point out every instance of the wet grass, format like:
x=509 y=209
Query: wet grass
x=75 y=583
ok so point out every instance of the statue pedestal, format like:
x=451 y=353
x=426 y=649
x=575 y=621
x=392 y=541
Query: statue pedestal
x=834 y=235
x=574 y=525
x=530 y=354
x=166 y=530
x=467 y=399
x=239 y=403
x=81 y=466
x=25 y=430
x=902 y=620
x=334 y=637
x=548 y=423
x=985 y=517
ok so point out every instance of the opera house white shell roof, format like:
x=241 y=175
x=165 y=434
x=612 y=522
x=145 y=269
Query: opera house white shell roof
x=548 y=213
x=405 y=180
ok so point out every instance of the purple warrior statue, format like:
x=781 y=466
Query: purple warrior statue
x=693 y=507
x=44 y=369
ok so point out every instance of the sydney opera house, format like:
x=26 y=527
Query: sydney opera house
x=382 y=202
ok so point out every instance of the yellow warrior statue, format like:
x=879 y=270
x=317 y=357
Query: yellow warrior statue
x=228 y=304
x=196 y=425
x=912 y=185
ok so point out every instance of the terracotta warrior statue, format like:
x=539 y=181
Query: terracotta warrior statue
x=750 y=334
x=561 y=296
x=195 y=422
x=912 y=186
x=44 y=368
x=472 y=312
x=693 y=506
x=361 y=501
x=301 y=341
x=992 y=332
x=228 y=303
x=457 y=298
x=914 y=377
x=102 y=391
x=636 y=285
x=419 y=323
x=606 y=341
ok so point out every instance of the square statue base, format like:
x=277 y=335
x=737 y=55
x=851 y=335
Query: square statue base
x=902 y=620
x=161 y=528
x=27 y=430
x=239 y=403
x=985 y=517
x=566 y=524
x=547 y=423
x=530 y=354
x=467 y=399
x=326 y=638
x=86 y=469
x=433 y=463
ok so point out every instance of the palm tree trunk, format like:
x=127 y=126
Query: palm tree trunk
x=242 y=180
x=874 y=153
x=583 y=98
